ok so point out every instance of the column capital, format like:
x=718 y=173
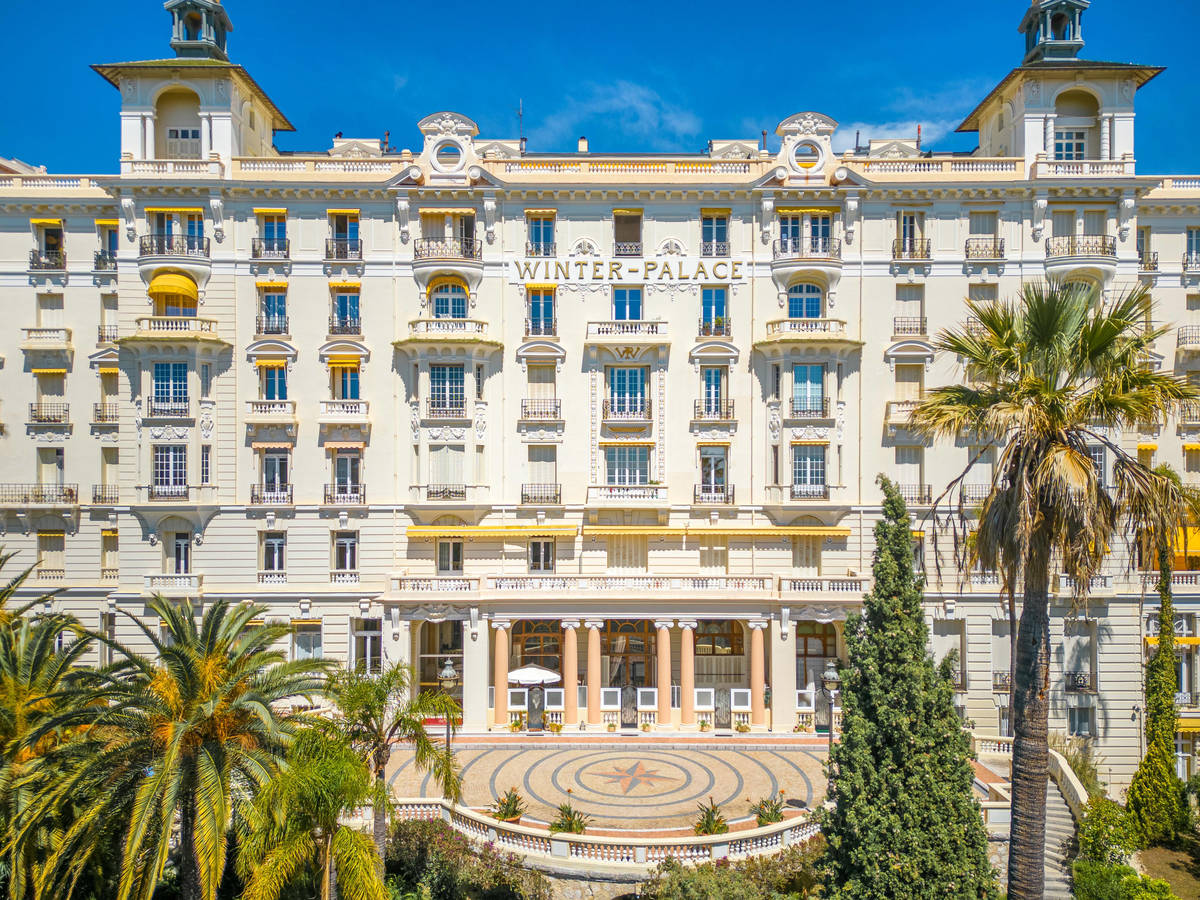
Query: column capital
x=594 y=623
x=499 y=624
x=757 y=624
x=569 y=623
x=689 y=623
x=664 y=623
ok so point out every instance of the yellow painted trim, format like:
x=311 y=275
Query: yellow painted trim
x=918 y=534
x=811 y=210
x=269 y=285
x=774 y=531
x=1182 y=641
x=108 y=532
x=715 y=211
x=345 y=285
x=108 y=223
x=254 y=622
x=270 y=363
x=52 y=532
x=541 y=213
x=173 y=283
x=1147 y=446
x=270 y=212
x=484 y=531
x=174 y=209
x=712 y=443
x=49 y=371
x=271 y=445
x=1189 y=725
x=603 y=442
x=109 y=370
x=341 y=212
x=1191 y=446
x=541 y=287
x=810 y=443
x=447 y=210
x=627 y=212
x=345 y=445
x=306 y=621
x=651 y=530
x=57 y=222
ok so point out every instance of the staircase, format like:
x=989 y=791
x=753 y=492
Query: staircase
x=1060 y=837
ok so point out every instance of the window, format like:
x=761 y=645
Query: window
x=627 y=552
x=983 y=224
x=791 y=230
x=275 y=471
x=446 y=466
x=714 y=317
x=449 y=301
x=946 y=637
x=1095 y=221
x=808 y=470
x=274 y=382
x=1193 y=246
x=719 y=637
x=910 y=470
x=541 y=556
x=806 y=556
x=206 y=464
x=537 y=643
x=910 y=309
x=713 y=470
x=347 y=467
x=1097 y=454
x=909 y=228
x=1070 y=145
x=344 y=382
x=627 y=464
x=50 y=311
x=910 y=382
x=627 y=233
x=306 y=641
x=273 y=227
x=541 y=235
x=51 y=546
x=983 y=293
x=183 y=143
x=344 y=227
x=1191 y=462
x=541 y=313
x=51 y=466
x=1078 y=658
x=776 y=380
x=450 y=557
x=804 y=301
x=627 y=391
x=179 y=553
x=446 y=388
x=274 y=545
x=346 y=318
x=479 y=382
x=627 y=304
x=821 y=233
x=368 y=645
x=274 y=318
x=714 y=554
x=1079 y=721
x=808 y=390
x=109 y=554
x=110 y=243
x=543 y=467
x=345 y=551
x=712 y=391
x=170 y=390
x=714 y=235
x=108 y=629
x=170 y=471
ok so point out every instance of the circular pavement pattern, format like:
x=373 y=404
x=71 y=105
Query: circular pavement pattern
x=627 y=786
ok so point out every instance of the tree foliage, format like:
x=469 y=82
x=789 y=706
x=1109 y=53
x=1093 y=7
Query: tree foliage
x=904 y=823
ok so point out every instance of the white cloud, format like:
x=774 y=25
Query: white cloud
x=399 y=82
x=932 y=130
x=632 y=109
x=945 y=107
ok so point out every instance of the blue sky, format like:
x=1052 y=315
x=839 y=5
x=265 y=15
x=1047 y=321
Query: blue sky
x=630 y=75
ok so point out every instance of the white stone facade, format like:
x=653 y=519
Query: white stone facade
x=597 y=404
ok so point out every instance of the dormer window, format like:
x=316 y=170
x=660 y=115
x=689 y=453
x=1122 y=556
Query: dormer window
x=183 y=143
x=627 y=232
x=1070 y=145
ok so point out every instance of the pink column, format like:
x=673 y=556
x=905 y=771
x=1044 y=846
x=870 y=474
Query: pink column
x=687 y=673
x=758 y=679
x=500 y=679
x=593 y=672
x=664 y=672
x=570 y=673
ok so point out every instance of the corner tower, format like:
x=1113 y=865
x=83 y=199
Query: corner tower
x=199 y=28
x=1053 y=29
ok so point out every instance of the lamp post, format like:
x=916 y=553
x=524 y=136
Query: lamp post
x=448 y=678
x=830 y=681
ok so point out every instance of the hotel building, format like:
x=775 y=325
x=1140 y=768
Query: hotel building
x=617 y=415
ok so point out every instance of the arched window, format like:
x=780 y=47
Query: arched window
x=805 y=301
x=537 y=643
x=719 y=637
x=815 y=643
x=628 y=645
x=449 y=300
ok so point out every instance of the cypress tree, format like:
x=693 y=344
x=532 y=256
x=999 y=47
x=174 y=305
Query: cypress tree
x=1155 y=794
x=904 y=821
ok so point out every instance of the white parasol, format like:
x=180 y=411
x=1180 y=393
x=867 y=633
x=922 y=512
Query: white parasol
x=530 y=675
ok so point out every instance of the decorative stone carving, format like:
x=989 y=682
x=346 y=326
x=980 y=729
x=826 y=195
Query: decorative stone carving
x=768 y=213
x=404 y=217
x=447 y=434
x=585 y=247
x=774 y=424
x=415 y=419
x=168 y=433
x=129 y=213
x=489 y=218
x=217 y=206
x=670 y=247
x=480 y=421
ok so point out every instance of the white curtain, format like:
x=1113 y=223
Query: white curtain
x=445 y=464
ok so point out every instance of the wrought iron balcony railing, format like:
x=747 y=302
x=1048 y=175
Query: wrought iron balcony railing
x=271 y=325
x=1080 y=682
x=627 y=248
x=445 y=492
x=549 y=494
x=918 y=494
x=1001 y=680
x=47 y=260
x=105 y=494
x=343 y=248
x=909 y=325
x=271 y=494
x=270 y=248
x=104 y=413
x=25 y=494
x=912 y=248
x=345 y=325
x=627 y=408
x=541 y=248
x=441 y=408
x=49 y=413
x=718 y=326
x=809 y=407
x=713 y=493
x=104 y=261
x=714 y=248
x=810 y=492
x=345 y=494
x=985 y=248
x=168 y=409
x=541 y=408
x=162 y=491
x=807 y=248
x=1067 y=246
x=173 y=245
x=1148 y=261
x=448 y=248
x=715 y=409
x=542 y=327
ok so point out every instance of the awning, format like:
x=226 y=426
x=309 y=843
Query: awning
x=108 y=532
x=270 y=212
x=715 y=210
x=918 y=534
x=719 y=531
x=271 y=445
x=269 y=285
x=341 y=212
x=1191 y=446
x=345 y=285
x=49 y=371
x=1189 y=724
x=448 y=211
x=487 y=531
x=1147 y=446
x=344 y=361
x=172 y=283
x=108 y=223
x=271 y=363
x=810 y=443
x=174 y=209
x=541 y=212
x=1181 y=641
x=345 y=445
x=51 y=532
x=53 y=223
x=109 y=370
x=306 y=621
x=801 y=210
x=541 y=287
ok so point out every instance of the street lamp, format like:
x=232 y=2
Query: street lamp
x=449 y=681
x=830 y=682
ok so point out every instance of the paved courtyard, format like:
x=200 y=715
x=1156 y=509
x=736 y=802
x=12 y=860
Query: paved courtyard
x=628 y=784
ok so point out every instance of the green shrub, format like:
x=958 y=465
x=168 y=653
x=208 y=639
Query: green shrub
x=509 y=805
x=1107 y=834
x=1081 y=756
x=711 y=820
x=768 y=810
x=1103 y=881
x=570 y=820
x=790 y=874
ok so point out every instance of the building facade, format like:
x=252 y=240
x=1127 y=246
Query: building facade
x=617 y=415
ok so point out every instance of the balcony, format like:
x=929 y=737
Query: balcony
x=1191 y=262
x=628 y=331
x=343 y=249
x=915 y=249
x=899 y=413
x=173 y=585
x=1001 y=681
x=916 y=494
x=39 y=494
x=680 y=587
x=792 y=258
x=270 y=495
x=1079 y=682
x=270 y=248
x=343 y=576
x=168 y=409
x=541 y=494
x=909 y=326
x=105 y=413
x=627 y=494
x=104 y=261
x=1187 y=338
x=1098 y=585
x=47 y=340
x=272 y=576
x=174 y=492
x=714 y=248
x=441 y=408
x=345 y=494
x=47 y=260
x=270 y=412
x=1185 y=699
x=448 y=248
x=105 y=494
x=713 y=494
x=106 y=334
x=847 y=587
x=449 y=331
x=541 y=248
x=345 y=325
x=719 y=326
x=627 y=409
x=808 y=408
x=627 y=248
x=345 y=412
x=812 y=248
x=49 y=414
x=1148 y=261
x=984 y=249
x=713 y=409
x=541 y=410
x=445 y=492
x=187 y=246
x=809 y=492
x=165 y=329
x=1092 y=255
x=830 y=333
x=541 y=327
x=1189 y=414
x=264 y=325
x=975 y=493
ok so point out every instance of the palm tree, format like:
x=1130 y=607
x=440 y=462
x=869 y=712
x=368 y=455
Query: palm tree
x=1048 y=375
x=379 y=711
x=175 y=740
x=296 y=827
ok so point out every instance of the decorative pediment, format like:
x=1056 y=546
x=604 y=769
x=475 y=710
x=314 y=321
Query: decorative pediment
x=104 y=359
x=733 y=149
x=355 y=148
x=714 y=352
x=909 y=352
x=541 y=352
x=332 y=349
x=448 y=123
x=807 y=123
x=270 y=348
x=898 y=149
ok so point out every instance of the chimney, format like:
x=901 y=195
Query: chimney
x=523 y=146
x=583 y=145
x=763 y=144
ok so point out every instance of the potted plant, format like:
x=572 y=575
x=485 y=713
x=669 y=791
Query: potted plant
x=517 y=724
x=509 y=807
x=554 y=727
x=646 y=727
x=612 y=726
x=769 y=809
x=741 y=728
x=711 y=820
x=569 y=819
x=705 y=725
